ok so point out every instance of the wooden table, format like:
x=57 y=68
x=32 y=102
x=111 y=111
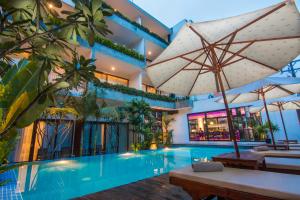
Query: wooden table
x=247 y=160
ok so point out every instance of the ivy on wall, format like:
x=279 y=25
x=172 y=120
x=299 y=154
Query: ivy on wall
x=135 y=92
x=120 y=48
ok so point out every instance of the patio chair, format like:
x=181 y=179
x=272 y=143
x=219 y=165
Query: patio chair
x=237 y=184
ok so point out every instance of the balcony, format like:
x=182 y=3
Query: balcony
x=138 y=30
x=121 y=94
x=117 y=51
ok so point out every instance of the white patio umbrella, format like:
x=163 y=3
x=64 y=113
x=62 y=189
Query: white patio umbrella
x=265 y=89
x=223 y=54
x=278 y=106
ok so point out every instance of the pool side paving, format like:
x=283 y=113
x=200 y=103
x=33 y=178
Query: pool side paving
x=148 y=189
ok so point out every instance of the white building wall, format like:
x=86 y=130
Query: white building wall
x=136 y=80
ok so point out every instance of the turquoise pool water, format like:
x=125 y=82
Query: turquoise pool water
x=65 y=179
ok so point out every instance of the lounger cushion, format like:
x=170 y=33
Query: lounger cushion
x=283 y=163
x=261 y=148
x=280 y=153
x=207 y=166
x=271 y=184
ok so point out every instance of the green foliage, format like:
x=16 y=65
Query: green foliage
x=7 y=143
x=136 y=24
x=86 y=105
x=141 y=120
x=53 y=111
x=169 y=138
x=136 y=147
x=167 y=134
x=262 y=130
x=135 y=92
x=120 y=48
x=35 y=31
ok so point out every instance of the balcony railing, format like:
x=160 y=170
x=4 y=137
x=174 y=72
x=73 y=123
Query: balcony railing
x=126 y=94
x=135 y=92
x=123 y=49
x=115 y=50
x=145 y=29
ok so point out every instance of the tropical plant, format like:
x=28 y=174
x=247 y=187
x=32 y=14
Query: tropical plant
x=6 y=146
x=44 y=39
x=167 y=133
x=136 y=147
x=141 y=121
x=262 y=129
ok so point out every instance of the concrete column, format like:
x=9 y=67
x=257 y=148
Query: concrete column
x=140 y=47
x=135 y=81
x=93 y=53
x=138 y=20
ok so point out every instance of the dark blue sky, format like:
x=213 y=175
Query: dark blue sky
x=172 y=11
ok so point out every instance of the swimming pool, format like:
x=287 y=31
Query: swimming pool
x=65 y=179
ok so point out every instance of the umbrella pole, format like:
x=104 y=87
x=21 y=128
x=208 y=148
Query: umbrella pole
x=229 y=119
x=283 y=124
x=268 y=117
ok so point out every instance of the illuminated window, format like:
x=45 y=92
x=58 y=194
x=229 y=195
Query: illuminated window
x=117 y=80
x=111 y=79
x=213 y=126
x=102 y=77
x=150 y=89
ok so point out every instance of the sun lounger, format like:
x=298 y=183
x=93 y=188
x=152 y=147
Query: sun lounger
x=237 y=184
x=287 y=141
x=283 y=165
x=279 y=153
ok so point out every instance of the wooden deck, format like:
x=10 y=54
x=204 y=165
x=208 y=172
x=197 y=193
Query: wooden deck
x=157 y=188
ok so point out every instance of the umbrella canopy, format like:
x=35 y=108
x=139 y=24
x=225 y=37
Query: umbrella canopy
x=265 y=89
x=242 y=49
x=268 y=88
x=277 y=106
x=228 y=53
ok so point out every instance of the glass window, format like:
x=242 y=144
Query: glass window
x=197 y=127
x=213 y=126
x=111 y=79
x=117 y=80
x=101 y=76
x=151 y=89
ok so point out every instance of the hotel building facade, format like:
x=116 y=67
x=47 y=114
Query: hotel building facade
x=121 y=58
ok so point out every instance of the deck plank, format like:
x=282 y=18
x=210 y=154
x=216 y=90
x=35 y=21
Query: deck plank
x=156 y=188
